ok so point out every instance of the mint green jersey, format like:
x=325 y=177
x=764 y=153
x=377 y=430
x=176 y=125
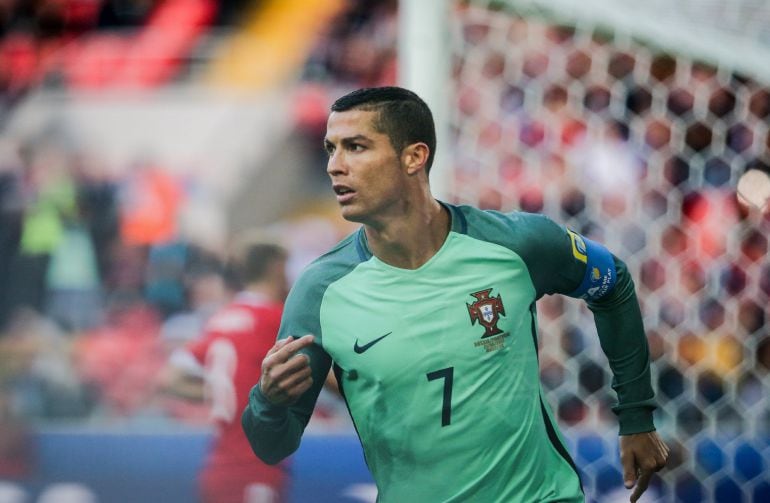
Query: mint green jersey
x=439 y=367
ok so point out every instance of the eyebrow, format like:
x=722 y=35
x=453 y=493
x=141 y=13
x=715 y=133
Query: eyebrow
x=350 y=139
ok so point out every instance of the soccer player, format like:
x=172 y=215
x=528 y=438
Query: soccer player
x=228 y=356
x=427 y=314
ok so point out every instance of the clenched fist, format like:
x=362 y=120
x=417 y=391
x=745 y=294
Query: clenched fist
x=286 y=375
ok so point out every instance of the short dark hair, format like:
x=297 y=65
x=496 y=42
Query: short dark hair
x=251 y=262
x=402 y=115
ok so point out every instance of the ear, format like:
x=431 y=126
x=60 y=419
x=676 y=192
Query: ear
x=415 y=157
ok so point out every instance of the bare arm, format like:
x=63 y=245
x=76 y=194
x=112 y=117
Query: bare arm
x=182 y=377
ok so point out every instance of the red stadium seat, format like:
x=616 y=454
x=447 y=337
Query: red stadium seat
x=139 y=60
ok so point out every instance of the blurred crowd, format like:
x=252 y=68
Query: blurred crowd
x=95 y=44
x=99 y=280
x=99 y=284
x=358 y=49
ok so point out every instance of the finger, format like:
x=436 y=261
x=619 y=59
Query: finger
x=290 y=395
x=665 y=451
x=661 y=457
x=292 y=347
x=295 y=392
x=279 y=344
x=289 y=349
x=275 y=376
x=291 y=379
x=291 y=366
x=641 y=485
x=629 y=469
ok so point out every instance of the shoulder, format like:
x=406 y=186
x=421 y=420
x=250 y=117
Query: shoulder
x=492 y=217
x=517 y=230
x=329 y=267
x=303 y=305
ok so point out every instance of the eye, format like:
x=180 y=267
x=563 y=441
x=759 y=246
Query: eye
x=329 y=148
x=356 y=147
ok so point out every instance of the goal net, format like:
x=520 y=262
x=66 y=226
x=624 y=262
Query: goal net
x=631 y=124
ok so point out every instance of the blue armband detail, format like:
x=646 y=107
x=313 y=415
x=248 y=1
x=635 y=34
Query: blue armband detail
x=600 y=276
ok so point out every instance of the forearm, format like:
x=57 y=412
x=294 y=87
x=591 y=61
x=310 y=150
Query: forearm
x=621 y=334
x=189 y=389
x=176 y=382
x=274 y=431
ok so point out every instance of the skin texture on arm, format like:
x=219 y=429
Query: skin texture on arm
x=179 y=383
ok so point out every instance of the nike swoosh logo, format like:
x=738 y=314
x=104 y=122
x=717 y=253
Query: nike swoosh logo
x=360 y=349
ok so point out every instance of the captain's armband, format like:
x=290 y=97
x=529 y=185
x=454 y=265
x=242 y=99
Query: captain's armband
x=600 y=275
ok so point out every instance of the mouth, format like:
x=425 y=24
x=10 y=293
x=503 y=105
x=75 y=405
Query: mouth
x=343 y=192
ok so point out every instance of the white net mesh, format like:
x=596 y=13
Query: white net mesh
x=639 y=149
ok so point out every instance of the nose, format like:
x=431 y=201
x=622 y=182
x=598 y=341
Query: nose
x=336 y=164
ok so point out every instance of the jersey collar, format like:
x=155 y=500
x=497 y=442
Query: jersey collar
x=458 y=224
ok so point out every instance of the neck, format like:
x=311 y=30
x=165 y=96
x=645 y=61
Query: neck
x=411 y=239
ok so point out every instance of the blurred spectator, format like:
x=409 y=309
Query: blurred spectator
x=50 y=201
x=74 y=297
x=119 y=359
x=164 y=276
x=11 y=211
x=223 y=365
x=357 y=50
x=149 y=202
x=206 y=293
x=74 y=275
x=124 y=13
x=16 y=456
x=38 y=372
x=183 y=277
x=359 y=47
x=97 y=194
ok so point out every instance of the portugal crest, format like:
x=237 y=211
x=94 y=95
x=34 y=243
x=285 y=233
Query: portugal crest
x=486 y=310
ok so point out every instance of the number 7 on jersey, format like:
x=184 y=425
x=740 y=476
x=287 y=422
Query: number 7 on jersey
x=448 y=375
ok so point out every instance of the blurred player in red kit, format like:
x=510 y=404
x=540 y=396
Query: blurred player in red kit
x=221 y=366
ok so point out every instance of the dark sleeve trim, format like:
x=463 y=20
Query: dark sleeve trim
x=459 y=222
x=363 y=253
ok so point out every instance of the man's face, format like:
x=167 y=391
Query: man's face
x=364 y=167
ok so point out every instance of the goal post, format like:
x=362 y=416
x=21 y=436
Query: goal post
x=424 y=67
